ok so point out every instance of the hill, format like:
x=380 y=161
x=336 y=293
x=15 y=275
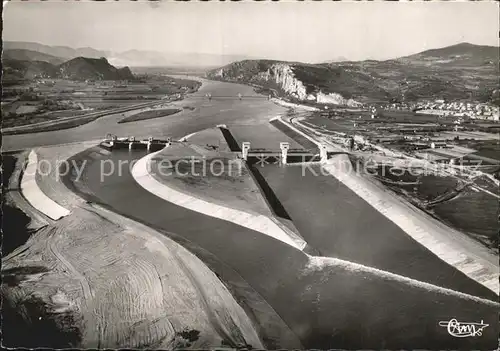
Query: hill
x=459 y=72
x=464 y=53
x=63 y=52
x=20 y=69
x=30 y=55
x=80 y=68
x=134 y=58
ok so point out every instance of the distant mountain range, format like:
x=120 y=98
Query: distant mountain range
x=30 y=55
x=131 y=58
x=463 y=53
x=62 y=52
x=458 y=72
x=79 y=68
x=139 y=58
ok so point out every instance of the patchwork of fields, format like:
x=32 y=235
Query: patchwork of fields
x=46 y=100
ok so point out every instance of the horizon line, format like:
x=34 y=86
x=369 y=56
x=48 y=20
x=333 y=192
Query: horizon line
x=243 y=56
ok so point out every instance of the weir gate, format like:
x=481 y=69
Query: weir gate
x=282 y=155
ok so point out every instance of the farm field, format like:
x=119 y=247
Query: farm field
x=27 y=102
x=485 y=148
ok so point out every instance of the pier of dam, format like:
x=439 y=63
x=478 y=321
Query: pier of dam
x=282 y=154
x=112 y=142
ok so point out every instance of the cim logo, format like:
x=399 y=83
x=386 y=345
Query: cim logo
x=463 y=329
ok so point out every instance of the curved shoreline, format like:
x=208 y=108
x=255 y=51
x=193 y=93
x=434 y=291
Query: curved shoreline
x=448 y=244
x=193 y=275
x=35 y=196
x=434 y=237
x=334 y=278
x=260 y=223
x=195 y=204
x=389 y=309
x=318 y=263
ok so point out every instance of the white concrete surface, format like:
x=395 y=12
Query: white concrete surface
x=292 y=105
x=260 y=223
x=291 y=126
x=318 y=263
x=35 y=196
x=449 y=245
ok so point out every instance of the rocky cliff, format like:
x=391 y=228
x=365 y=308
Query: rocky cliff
x=82 y=68
x=282 y=78
x=464 y=72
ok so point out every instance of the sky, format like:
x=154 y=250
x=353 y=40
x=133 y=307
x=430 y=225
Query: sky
x=293 y=31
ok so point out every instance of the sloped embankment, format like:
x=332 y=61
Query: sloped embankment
x=17 y=223
x=115 y=284
x=96 y=279
x=184 y=174
x=449 y=245
x=34 y=195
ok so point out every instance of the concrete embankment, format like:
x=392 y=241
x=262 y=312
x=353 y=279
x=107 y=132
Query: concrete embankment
x=380 y=310
x=260 y=223
x=104 y=281
x=329 y=303
x=289 y=130
x=19 y=218
x=35 y=196
x=55 y=163
x=449 y=245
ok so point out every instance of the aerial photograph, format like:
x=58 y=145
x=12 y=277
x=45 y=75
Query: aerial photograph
x=250 y=175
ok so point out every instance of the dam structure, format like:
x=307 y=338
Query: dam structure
x=151 y=144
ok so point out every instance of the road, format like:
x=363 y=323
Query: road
x=336 y=308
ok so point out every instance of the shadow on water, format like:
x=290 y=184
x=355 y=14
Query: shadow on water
x=27 y=322
x=230 y=140
x=269 y=195
x=15 y=276
x=14 y=229
x=333 y=306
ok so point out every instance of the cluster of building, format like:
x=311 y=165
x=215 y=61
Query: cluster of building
x=398 y=106
x=471 y=110
x=461 y=109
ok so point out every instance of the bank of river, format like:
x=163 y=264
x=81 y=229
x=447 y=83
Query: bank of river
x=267 y=276
x=472 y=212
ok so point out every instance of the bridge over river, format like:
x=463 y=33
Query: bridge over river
x=326 y=302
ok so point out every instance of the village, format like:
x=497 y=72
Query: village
x=439 y=107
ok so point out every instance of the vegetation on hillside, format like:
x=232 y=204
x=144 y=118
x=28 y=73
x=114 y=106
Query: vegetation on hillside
x=459 y=72
x=80 y=68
